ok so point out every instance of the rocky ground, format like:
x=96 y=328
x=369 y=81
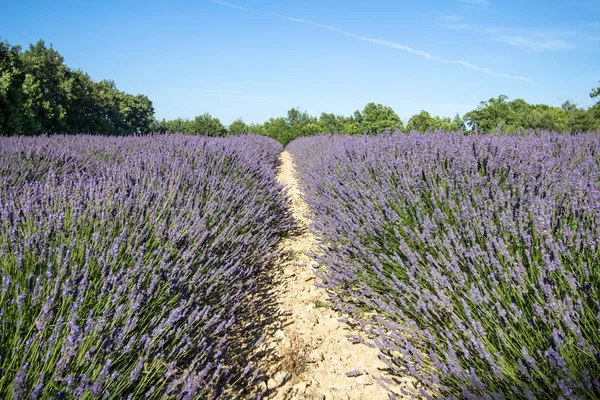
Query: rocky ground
x=313 y=356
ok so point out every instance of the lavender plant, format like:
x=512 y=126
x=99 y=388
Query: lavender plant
x=479 y=256
x=128 y=266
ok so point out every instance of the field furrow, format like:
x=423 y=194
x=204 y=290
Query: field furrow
x=317 y=356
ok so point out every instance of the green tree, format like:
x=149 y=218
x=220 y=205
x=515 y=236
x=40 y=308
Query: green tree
x=302 y=124
x=278 y=129
x=256 y=128
x=137 y=112
x=581 y=120
x=40 y=94
x=331 y=123
x=421 y=122
x=424 y=122
x=376 y=118
x=488 y=115
x=458 y=124
x=595 y=93
x=519 y=115
x=83 y=114
x=12 y=76
x=297 y=123
x=205 y=124
x=237 y=127
x=539 y=117
x=351 y=126
x=498 y=113
x=46 y=97
x=595 y=109
x=178 y=125
x=570 y=118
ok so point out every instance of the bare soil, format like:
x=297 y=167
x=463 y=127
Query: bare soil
x=311 y=353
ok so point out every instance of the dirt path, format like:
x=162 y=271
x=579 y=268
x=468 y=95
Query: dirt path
x=314 y=353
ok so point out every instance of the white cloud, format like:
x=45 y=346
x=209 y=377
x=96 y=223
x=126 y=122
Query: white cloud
x=532 y=40
x=390 y=44
x=536 y=44
x=305 y=21
x=430 y=56
x=227 y=4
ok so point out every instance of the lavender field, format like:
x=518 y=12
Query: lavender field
x=474 y=260
x=130 y=267
x=140 y=267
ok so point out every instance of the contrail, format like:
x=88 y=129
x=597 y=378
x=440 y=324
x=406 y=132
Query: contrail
x=381 y=42
x=227 y=4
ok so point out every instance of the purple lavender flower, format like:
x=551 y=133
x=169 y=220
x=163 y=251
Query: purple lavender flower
x=135 y=373
x=131 y=261
x=472 y=249
x=19 y=386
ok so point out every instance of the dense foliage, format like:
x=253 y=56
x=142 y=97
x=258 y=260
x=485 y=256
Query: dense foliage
x=40 y=94
x=475 y=260
x=203 y=124
x=492 y=116
x=374 y=118
x=130 y=266
x=512 y=116
x=424 y=122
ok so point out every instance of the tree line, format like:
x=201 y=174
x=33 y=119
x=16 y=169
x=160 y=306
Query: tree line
x=40 y=94
x=496 y=114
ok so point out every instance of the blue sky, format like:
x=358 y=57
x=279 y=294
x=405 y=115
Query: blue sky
x=257 y=59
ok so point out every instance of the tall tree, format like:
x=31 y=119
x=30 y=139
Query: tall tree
x=205 y=124
x=331 y=123
x=595 y=109
x=424 y=122
x=458 y=123
x=12 y=76
x=44 y=87
x=83 y=111
x=595 y=93
x=376 y=118
x=237 y=127
x=490 y=114
x=421 y=122
x=40 y=94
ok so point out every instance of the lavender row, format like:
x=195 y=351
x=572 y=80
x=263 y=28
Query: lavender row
x=479 y=256
x=131 y=267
